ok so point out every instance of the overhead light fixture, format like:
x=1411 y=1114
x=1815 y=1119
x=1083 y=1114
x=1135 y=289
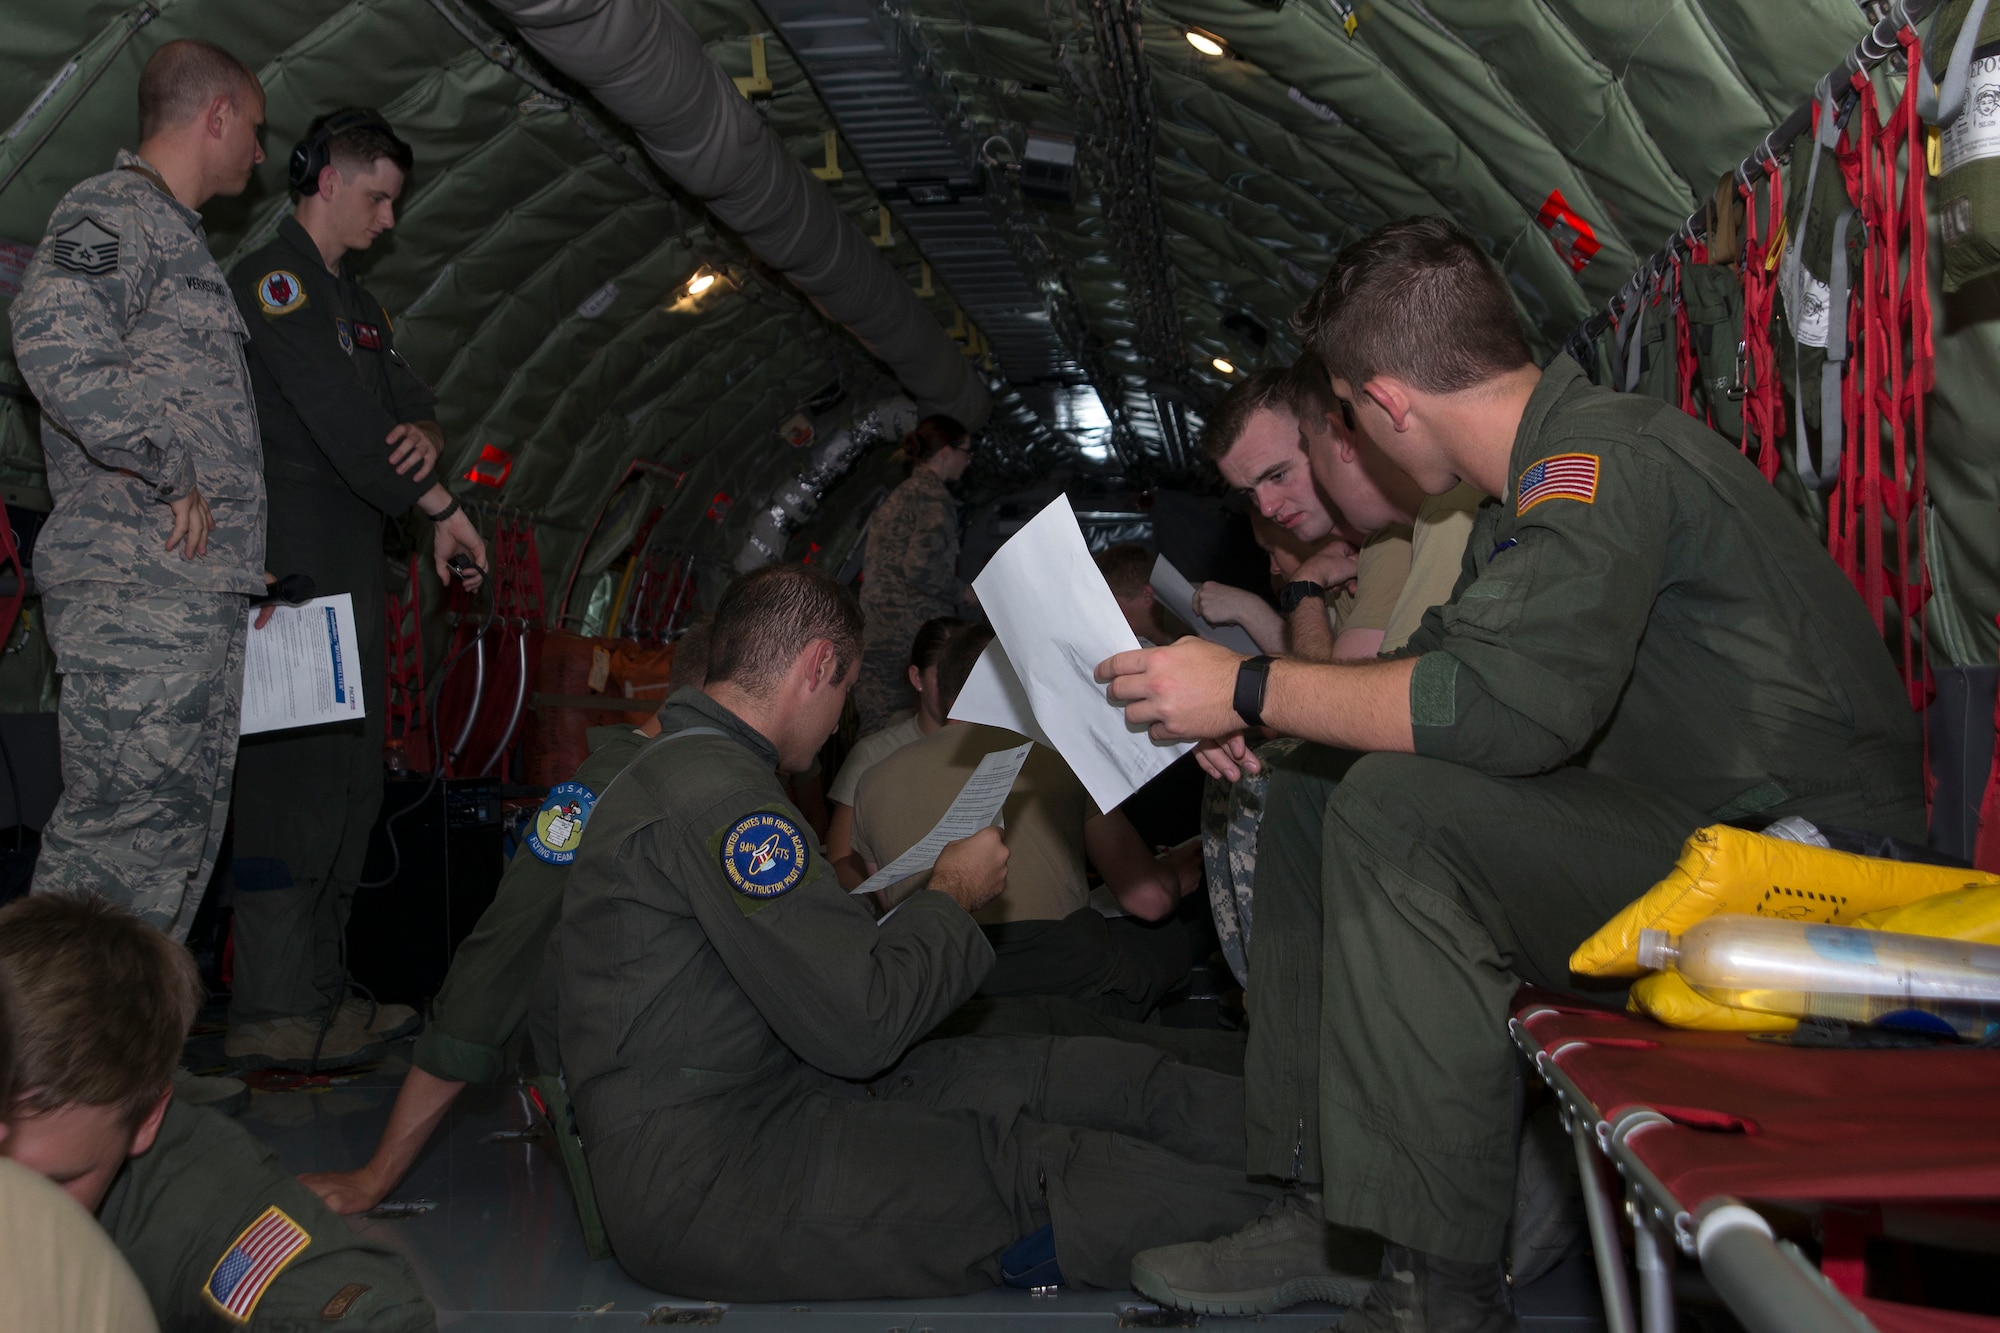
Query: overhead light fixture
x=1223 y=366
x=1206 y=42
x=700 y=282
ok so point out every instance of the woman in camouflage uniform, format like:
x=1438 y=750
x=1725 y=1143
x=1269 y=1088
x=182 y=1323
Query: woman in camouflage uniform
x=912 y=565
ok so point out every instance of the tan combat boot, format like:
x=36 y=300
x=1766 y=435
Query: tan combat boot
x=297 y=1044
x=1288 y=1255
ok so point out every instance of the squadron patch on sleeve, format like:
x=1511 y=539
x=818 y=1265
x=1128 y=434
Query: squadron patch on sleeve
x=280 y=292
x=1561 y=477
x=764 y=856
x=252 y=1263
x=558 y=826
x=85 y=246
x=345 y=333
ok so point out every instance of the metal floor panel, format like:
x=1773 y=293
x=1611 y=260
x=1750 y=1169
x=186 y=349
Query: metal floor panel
x=501 y=1251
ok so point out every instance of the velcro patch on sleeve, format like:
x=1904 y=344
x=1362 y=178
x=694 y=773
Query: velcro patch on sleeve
x=1561 y=477
x=280 y=292
x=252 y=1263
x=557 y=830
x=343 y=1301
x=764 y=856
x=85 y=246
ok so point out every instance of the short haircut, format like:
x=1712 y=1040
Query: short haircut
x=1418 y=299
x=769 y=616
x=1311 y=392
x=928 y=647
x=1127 y=567
x=182 y=78
x=932 y=436
x=103 y=1003
x=961 y=654
x=690 y=667
x=358 y=148
x=1261 y=390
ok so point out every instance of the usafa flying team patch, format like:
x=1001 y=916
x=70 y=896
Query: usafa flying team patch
x=252 y=1263
x=367 y=335
x=85 y=246
x=558 y=826
x=280 y=292
x=1562 y=477
x=764 y=856
x=345 y=333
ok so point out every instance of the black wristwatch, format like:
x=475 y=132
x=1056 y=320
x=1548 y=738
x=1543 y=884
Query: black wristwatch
x=1251 y=678
x=1294 y=593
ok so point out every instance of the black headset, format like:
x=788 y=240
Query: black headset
x=311 y=155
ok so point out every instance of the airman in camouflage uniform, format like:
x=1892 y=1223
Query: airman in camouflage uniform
x=1231 y=814
x=912 y=564
x=126 y=332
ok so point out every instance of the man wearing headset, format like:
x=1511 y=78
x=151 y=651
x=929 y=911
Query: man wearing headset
x=349 y=442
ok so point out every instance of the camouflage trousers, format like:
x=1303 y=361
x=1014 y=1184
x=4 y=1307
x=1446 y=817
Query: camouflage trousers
x=152 y=686
x=883 y=688
x=1231 y=815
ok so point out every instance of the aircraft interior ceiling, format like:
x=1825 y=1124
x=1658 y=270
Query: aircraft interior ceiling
x=1128 y=214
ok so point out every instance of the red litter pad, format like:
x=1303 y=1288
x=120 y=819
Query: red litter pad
x=1891 y=1317
x=1760 y=1119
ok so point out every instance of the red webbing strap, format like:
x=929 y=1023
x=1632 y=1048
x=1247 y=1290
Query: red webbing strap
x=1986 y=847
x=528 y=574
x=10 y=605
x=1687 y=366
x=1764 y=396
x=1875 y=520
x=404 y=714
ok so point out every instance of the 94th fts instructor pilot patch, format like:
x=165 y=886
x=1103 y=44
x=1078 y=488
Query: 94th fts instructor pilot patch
x=763 y=857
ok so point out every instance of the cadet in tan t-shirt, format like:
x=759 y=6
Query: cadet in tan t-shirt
x=1047 y=938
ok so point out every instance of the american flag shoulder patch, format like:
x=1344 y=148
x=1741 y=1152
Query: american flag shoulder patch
x=1561 y=477
x=252 y=1263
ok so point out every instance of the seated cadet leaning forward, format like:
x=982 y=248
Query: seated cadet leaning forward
x=739 y=1034
x=876 y=746
x=103 y=1003
x=1644 y=640
x=496 y=988
x=1047 y=939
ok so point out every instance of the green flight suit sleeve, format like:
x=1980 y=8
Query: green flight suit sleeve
x=300 y=349
x=415 y=400
x=68 y=326
x=847 y=995
x=1524 y=666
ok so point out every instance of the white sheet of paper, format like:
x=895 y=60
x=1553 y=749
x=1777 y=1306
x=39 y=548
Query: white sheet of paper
x=304 y=668
x=994 y=696
x=977 y=805
x=1177 y=595
x=1057 y=620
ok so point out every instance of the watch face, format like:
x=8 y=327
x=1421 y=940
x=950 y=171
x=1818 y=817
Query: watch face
x=1294 y=593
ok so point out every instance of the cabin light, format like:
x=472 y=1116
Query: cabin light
x=1223 y=366
x=700 y=283
x=1206 y=43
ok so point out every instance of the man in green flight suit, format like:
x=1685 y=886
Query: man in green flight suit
x=219 y=1233
x=498 y=983
x=737 y=1031
x=1644 y=639
x=349 y=439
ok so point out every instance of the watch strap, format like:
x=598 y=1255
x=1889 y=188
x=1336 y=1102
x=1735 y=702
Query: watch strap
x=1297 y=591
x=1251 y=678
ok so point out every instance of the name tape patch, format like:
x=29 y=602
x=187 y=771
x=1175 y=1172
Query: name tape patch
x=1563 y=477
x=763 y=856
x=367 y=335
x=280 y=292
x=248 y=1267
x=558 y=826
x=85 y=246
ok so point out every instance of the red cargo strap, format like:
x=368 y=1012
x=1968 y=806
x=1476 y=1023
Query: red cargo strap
x=1986 y=849
x=1687 y=366
x=1763 y=397
x=404 y=714
x=10 y=605
x=1875 y=517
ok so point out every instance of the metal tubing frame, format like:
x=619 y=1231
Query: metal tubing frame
x=1769 y=1286
x=1875 y=46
